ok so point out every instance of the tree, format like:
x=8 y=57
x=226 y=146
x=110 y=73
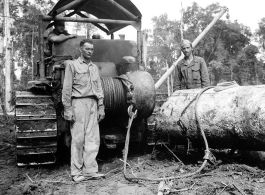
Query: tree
x=220 y=47
x=248 y=66
x=260 y=33
x=87 y=28
x=224 y=40
x=164 y=46
x=260 y=38
x=25 y=26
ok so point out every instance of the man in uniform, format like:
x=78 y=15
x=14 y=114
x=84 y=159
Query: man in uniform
x=58 y=35
x=82 y=97
x=191 y=72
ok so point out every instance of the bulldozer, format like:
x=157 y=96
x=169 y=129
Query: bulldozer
x=41 y=131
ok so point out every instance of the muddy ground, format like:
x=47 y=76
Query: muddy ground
x=231 y=174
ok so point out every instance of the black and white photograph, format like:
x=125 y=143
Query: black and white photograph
x=132 y=97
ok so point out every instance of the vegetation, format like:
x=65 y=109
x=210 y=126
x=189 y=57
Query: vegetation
x=24 y=33
x=226 y=48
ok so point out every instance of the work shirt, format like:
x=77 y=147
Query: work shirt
x=48 y=50
x=191 y=76
x=81 y=80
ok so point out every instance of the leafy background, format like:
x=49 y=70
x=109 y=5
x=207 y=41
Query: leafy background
x=227 y=48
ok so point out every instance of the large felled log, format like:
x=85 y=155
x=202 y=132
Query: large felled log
x=232 y=118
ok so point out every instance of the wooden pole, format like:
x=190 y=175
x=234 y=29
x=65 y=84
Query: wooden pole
x=32 y=53
x=139 y=43
x=8 y=51
x=181 y=22
x=172 y=83
x=168 y=82
x=144 y=49
x=41 y=50
x=2 y=99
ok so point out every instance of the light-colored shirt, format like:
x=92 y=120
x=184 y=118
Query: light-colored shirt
x=81 y=80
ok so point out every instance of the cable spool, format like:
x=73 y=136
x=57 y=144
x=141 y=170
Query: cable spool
x=115 y=94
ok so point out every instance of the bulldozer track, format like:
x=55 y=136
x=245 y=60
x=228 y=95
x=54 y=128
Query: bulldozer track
x=36 y=129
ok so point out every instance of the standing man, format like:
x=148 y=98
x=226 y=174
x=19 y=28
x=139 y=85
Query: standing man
x=82 y=97
x=57 y=35
x=191 y=72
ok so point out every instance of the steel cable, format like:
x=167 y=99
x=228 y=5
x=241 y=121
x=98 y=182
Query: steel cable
x=114 y=95
x=206 y=157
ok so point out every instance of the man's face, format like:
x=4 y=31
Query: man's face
x=87 y=50
x=187 y=50
x=60 y=27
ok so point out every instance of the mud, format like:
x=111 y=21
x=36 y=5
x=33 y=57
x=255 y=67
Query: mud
x=231 y=174
x=44 y=110
x=36 y=125
x=34 y=100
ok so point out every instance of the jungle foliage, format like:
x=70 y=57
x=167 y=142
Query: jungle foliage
x=226 y=48
x=24 y=32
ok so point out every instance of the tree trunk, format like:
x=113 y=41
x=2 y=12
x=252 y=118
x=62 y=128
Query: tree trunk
x=232 y=118
x=8 y=63
x=2 y=101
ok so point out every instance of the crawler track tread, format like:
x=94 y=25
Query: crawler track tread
x=36 y=129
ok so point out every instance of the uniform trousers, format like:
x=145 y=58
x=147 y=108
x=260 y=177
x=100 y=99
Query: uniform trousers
x=85 y=136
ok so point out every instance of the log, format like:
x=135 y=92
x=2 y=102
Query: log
x=232 y=118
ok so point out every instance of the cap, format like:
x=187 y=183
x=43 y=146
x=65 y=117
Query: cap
x=185 y=42
x=128 y=60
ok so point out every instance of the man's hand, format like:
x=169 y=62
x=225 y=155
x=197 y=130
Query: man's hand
x=101 y=117
x=68 y=115
x=101 y=113
x=72 y=36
